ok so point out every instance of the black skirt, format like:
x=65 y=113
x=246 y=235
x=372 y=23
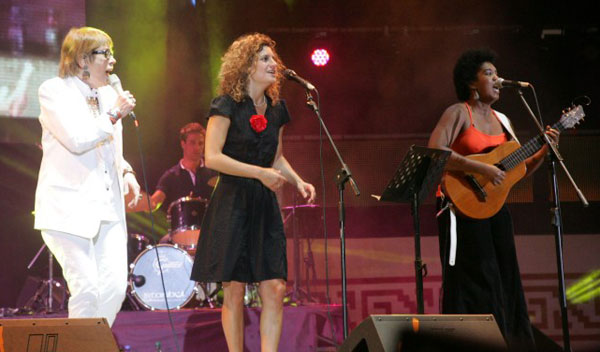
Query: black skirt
x=241 y=237
x=485 y=278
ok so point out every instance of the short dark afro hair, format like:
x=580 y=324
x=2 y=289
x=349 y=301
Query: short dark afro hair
x=466 y=68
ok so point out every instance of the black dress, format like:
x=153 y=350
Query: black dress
x=241 y=237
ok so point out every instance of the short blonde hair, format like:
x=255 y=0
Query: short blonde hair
x=238 y=63
x=80 y=42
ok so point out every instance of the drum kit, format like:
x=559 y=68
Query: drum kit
x=166 y=267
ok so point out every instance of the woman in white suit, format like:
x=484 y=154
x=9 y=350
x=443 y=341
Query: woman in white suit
x=79 y=205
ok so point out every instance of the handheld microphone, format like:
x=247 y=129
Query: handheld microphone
x=115 y=82
x=504 y=83
x=291 y=75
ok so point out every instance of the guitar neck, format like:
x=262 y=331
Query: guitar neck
x=527 y=150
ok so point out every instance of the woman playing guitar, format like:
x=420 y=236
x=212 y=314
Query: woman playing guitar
x=479 y=260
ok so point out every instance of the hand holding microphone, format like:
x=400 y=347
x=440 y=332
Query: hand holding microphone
x=125 y=101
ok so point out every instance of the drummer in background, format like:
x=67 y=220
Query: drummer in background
x=189 y=177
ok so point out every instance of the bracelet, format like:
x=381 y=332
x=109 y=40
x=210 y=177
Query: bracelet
x=128 y=171
x=114 y=114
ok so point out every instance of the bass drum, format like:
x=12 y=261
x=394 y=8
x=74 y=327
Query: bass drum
x=145 y=279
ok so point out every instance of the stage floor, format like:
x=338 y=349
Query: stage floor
x=305 y=328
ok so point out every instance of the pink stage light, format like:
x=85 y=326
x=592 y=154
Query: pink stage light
x=320 y=57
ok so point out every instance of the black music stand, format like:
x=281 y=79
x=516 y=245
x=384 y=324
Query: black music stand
x=418 y=173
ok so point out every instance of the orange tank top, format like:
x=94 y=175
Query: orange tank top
x=473 y=141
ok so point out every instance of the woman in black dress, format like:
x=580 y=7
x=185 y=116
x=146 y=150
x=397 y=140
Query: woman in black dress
x=242 y=237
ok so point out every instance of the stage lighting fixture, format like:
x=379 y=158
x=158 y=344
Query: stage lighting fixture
x=320 y=57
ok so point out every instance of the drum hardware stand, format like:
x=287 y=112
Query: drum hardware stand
x=251 y=295
x=297 y=291
x=209 y=296
x=342 y=177
x=309 y=265
x=556 y=217
x=48 y=284
x=132 y=301
x=128 y=294
x=419 y=172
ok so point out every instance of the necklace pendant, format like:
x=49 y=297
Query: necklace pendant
x=264 y=101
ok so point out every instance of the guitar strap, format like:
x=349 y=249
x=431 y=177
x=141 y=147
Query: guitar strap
x=452 y=256
x=447 y=205
x=506 y=124
x=453 y=238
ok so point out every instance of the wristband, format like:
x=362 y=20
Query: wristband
x=114 y=114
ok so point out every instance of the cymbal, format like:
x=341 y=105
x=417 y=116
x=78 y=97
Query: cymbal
x=212 y=181
x=290 y=207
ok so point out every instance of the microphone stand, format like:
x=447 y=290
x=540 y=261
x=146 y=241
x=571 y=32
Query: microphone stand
x=343 y=175
x=556 y=221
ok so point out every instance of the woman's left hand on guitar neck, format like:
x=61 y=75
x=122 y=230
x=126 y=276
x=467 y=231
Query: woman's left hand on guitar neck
x=536 y=159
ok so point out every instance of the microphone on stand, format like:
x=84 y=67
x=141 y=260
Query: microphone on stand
x=115 y=82
x=504 y=83
x=293 y=76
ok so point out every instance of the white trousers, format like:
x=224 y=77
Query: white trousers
x=95 y=269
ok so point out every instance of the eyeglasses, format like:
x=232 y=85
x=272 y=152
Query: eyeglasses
x=106 y=52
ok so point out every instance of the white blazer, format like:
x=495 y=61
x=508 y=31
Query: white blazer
x=82 y=154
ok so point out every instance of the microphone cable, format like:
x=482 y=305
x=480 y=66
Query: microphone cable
x=152 y=230
x=537 y=104
x=324 y=211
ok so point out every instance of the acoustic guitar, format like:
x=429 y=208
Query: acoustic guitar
x=475 y=196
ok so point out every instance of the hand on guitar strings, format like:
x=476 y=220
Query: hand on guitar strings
x=493 y=173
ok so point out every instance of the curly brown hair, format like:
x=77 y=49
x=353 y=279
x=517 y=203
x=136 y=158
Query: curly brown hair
x=238 y=62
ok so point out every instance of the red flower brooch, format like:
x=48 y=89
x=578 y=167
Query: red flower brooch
x=258 y=123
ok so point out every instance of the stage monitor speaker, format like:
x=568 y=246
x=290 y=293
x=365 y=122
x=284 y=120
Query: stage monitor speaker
x=56 y=335
x=544 y=343
x=426 y=332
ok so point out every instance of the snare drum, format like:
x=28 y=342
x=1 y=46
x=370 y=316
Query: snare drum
x=145 y=278
x=185 y=216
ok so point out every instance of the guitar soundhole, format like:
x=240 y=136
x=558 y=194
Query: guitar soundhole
x=479 y=191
